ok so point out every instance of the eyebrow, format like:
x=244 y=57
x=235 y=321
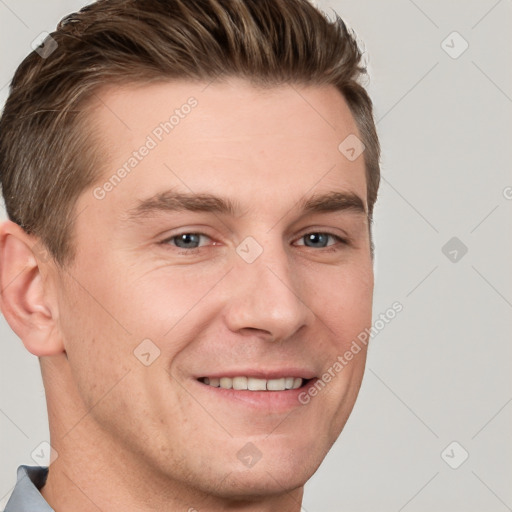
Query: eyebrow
x=171 y=201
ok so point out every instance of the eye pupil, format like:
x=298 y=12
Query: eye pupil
x=315 y=239
x=186 y=239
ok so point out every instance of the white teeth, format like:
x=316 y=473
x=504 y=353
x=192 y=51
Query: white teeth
x=288 y=382
x=226 y=383
x=240 y=383
x=276 y=384
x=254 y=384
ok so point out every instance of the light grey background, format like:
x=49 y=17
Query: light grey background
x=441 y=370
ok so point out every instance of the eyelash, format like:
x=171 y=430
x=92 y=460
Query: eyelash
x=194 y=250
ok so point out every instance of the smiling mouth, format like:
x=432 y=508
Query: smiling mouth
x=255 y=384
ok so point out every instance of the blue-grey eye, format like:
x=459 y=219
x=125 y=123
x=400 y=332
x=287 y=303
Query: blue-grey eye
x=187 y=240
x=316 y=240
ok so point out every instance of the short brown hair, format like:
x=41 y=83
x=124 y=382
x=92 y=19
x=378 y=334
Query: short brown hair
x=47 y=158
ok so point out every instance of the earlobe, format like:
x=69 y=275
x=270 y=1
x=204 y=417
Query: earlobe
x=25 y=301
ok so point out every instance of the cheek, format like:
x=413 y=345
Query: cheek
x=342 y=298
x=121 y=304
x=97 y=336
x=168 y=297
x=344 y=312
x=111 y=318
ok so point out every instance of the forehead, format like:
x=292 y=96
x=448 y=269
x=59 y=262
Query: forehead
x=228 y=137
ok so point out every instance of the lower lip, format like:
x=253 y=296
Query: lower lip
x=271 y=401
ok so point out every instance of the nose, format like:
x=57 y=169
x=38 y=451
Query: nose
x=266 y=298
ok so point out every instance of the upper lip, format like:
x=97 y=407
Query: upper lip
x=267 y=374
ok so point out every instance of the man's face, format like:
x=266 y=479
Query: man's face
x=266 y=292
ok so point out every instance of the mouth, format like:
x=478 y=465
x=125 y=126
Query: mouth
x=269 y=391
x=244 y=383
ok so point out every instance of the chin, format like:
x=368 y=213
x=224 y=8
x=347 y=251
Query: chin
x=254 y=484
x=280 y=469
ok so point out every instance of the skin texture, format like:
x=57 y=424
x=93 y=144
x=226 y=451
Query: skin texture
x=142 y=438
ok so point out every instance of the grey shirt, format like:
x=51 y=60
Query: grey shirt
x=26 y=496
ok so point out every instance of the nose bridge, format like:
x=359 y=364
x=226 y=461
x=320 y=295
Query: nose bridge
x=265 y=293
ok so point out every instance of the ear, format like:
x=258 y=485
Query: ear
x=25 y=297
